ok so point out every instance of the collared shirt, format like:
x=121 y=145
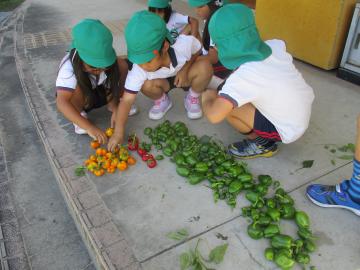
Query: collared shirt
x=276 y=88
x=67 y=81
x=180 y=52
x=177 y=23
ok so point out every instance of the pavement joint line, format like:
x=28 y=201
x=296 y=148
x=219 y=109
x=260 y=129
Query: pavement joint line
x=2 y=249
x=189 y=239
x=1 y=234
x=320 y=176
x=6 y=265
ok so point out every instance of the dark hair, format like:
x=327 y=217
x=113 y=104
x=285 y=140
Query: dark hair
x=167 y=11
x=111 y=84
x=206 y=35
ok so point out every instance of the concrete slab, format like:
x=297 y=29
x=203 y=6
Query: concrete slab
x=246 y=253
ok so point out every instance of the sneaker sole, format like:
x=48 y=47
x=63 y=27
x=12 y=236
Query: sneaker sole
x=134 y=113
x=266 y=155
x=356 y=212
x=194 y=116
x=158 y=117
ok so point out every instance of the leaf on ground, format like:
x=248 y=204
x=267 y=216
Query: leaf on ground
x=80 y=171
x=326 y=146
x=178 y=235
x=346 y=157
x=308 y=163
x=186 y=260
x=222 y=237
x=333 y=162
x=217 y=254
x=347 y=147
x=204 y=139
x=333 y=151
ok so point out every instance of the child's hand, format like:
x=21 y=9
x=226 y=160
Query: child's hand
x=114 y=142
x=182 y=79
x=97 y=134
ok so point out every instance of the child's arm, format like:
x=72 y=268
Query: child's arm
x=121 y=119
x=215 y=108
x=212 y=56
x=181 y=79
x=194 y=25
x=69 y=111
x=357 y=146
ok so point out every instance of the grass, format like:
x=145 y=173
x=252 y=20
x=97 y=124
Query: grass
x=8 y=5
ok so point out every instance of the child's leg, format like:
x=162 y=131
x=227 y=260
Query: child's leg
x=199 y=75
x=157 y=90
x=344 y=195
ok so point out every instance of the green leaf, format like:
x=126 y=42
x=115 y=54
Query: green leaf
x=217 y=254
x=351 y=147
x=80 y=171
x=186 y=260
x=308 y=163
x=326 y=146
x=346 y=157
x=333 y=151
x=178 y=235
x=204 y=139
x=333 y=162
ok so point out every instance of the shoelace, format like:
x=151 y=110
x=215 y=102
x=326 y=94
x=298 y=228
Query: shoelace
x=158 y=102
x=194 y=100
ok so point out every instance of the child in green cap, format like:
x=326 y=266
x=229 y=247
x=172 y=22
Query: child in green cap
x=176 y=22
x=265 y=97
x=205 y=9
x=90 y=76
x=159 y=65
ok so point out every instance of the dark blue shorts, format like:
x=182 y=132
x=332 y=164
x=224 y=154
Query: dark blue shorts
x=264 y=128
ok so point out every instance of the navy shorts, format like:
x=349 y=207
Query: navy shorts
x=221 y=71
x=264 y=128
x=100 y=97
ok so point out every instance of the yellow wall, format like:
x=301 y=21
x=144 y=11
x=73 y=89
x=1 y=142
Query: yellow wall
x=315 y=31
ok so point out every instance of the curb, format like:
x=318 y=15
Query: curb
x=105 y=243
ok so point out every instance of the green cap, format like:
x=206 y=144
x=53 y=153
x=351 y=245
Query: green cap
x=159 y=3
x=144 y=34
x=93 y=41
x=199 y=3
x=232 y=28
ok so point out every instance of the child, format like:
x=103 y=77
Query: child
x=159 y=64
x=176 y=23
x=205 y=9
x=89 y=77
x=265 y=97
x=344 y=195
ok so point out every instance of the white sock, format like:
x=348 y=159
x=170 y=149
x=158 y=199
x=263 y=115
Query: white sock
x=163 y=97
x=192 y=93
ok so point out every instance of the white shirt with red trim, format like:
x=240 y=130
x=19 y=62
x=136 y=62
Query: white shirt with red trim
x=184 y=48
x=276 y=88
x=66 y=79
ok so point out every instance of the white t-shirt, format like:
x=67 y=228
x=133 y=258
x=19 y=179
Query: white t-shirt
x=177 y=23
x=183 y=49
x=66 y=79
x=276 y=88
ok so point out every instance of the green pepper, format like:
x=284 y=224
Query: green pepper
x=285 y=199
x=274 y=214
x=158 y=146
x=227 y=181
x=204 y=148
x=309 y=245
x=159 y=157
x=281 y=241
x=302 y=219
x=235 y=170
x=286 y=251
x=173 y=145
x=248 y=185
x=216 y=196
x=253 y=197
x=226 y=164
x=148 y=131
x=265 y=179
x=270 y=203
x=280 y=191
x=261 y=189
x=283 y=261
x=195 y=178
x=179 y=159
x=246 y=211
x=303 y=258
x=254 y=231
x=245 y=178
x=219 y=159
x=271 y=230
x=201 y=167
x=269 y=254
x=182 y=171
x=191 y=160
x=235 y=186
x=167 y=151
x=287 y=211
x=264 y=220
x=255 y=214
x=305 y=233
x=298 y=245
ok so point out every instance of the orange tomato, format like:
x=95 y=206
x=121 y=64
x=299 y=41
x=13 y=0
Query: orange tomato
x=93 y=158
x=122 y=166
x=95 y=144
x=115 y=162
x=111 y=169
x=109 y=155
x=87 y=162
x=109 y=132
x=106 y=164
x=92 y=166
x=99 y=172
x=131 y=160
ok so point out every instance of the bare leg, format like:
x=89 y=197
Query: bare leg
x=155 y=89
x=200 y=74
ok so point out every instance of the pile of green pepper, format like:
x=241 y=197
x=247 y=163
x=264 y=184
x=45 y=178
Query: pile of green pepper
x=199 y=159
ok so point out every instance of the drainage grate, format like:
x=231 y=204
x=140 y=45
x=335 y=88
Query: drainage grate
x=48 y=38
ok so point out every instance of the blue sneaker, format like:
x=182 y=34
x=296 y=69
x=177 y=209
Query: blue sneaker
x=333 y=196
x=247 y=149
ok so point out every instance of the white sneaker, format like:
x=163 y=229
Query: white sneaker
x=79 y=130
x=160 y=108
x=133 y=110
x=192 y=106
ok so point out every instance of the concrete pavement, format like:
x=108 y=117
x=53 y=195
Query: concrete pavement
x=124 y=218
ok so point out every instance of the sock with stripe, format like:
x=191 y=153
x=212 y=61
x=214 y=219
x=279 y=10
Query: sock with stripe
x=354 y=183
